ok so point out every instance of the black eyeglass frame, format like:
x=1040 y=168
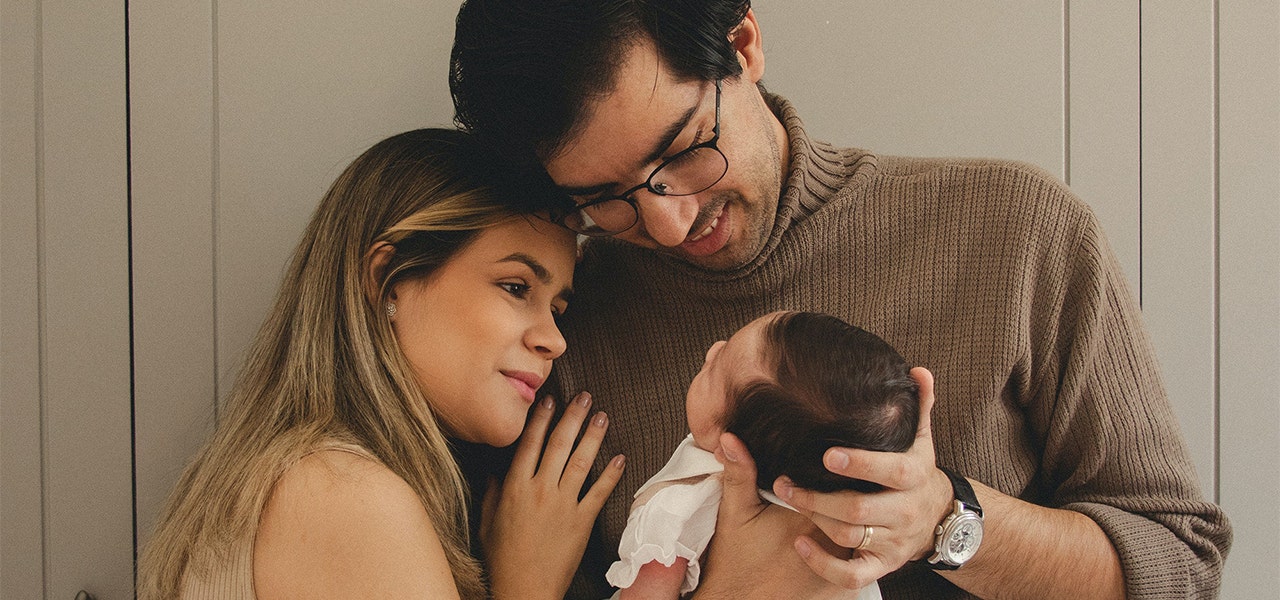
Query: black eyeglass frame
x=648 y=182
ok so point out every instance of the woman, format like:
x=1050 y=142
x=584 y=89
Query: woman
x=418 y=310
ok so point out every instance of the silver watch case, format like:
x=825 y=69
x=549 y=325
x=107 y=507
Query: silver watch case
x=958 y=537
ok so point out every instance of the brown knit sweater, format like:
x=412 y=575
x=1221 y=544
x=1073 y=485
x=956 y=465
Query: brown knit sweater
x=991 y=274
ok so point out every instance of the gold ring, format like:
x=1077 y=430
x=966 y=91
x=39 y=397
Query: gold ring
x=867 y=530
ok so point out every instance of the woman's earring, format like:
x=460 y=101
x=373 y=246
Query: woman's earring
x=391 y=309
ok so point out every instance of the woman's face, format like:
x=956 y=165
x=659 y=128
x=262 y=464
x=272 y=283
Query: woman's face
x=729 y=366
x=480 y=332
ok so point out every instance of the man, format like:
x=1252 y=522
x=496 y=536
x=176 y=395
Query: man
x=1052 y=464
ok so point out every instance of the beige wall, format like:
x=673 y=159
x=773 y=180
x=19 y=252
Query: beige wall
x=145 y=229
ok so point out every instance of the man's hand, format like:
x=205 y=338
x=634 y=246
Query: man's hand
x=1027 y=550
x=901 y=517
x=751 y=554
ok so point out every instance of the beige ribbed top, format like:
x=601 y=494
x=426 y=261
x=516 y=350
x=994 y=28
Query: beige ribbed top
x=217 y=575
x=991 y=274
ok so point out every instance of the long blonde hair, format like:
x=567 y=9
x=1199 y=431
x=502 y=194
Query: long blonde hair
x=325 y=365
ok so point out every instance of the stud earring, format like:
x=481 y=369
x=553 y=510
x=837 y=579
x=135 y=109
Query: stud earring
x=391 y=309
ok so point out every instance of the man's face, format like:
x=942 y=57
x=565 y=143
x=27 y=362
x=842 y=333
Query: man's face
x=650 y=116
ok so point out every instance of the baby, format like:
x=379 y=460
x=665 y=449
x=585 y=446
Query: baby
x=790 y=385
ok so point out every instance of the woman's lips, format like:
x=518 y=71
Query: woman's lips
x=526 y=383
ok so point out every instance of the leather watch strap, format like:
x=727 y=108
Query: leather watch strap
x=963 y=491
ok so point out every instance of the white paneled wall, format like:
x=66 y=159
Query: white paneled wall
x=65 y=281
x=145 y=229
x=1178 y=205
x=21 y=535
x=1248 y=290
x=172 y=141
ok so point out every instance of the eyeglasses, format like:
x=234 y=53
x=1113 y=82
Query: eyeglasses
x=692 y=170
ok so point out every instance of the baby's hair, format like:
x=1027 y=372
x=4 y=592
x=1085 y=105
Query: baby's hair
x=835 y=385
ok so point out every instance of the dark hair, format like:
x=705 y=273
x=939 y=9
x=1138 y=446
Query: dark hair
x=836 y=385
x=522 y=73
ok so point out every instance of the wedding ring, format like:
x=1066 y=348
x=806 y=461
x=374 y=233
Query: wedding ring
x=867 y=530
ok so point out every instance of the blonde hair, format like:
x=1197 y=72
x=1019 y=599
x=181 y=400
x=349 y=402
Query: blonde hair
x=325 y=366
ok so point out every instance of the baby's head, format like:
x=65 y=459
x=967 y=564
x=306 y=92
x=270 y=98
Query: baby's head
x=793 y=384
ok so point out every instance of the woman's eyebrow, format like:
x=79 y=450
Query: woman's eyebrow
x=539 y=271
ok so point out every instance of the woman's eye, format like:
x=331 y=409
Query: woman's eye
x=517 y=290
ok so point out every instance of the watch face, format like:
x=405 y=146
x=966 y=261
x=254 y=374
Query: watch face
x=963 y=540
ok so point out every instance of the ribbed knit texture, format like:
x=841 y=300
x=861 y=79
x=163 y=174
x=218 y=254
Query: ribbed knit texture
x=227 y=573
x=989 y=273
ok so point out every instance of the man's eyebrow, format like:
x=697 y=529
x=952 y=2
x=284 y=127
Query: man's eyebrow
x=539 y=271
x=669 y=136
x=664 y=143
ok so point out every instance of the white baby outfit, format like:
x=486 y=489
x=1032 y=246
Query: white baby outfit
x=679 y=518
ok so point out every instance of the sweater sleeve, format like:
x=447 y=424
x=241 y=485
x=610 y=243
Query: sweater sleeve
x=1112 y=446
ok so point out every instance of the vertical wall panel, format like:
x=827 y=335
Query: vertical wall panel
x=1178 y=207
x=88 y=472
x=982 y=78
x=171 y=122
x=21 y=545
x=1104 y=117
x=303 y=87
x=1249 y=263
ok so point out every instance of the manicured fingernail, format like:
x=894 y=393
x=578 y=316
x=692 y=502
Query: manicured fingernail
x=837 y=460
x=601 y=419
x=548 y=403
x=729 y=455
x=803 y=548
x=619 y=461
x=583 y=399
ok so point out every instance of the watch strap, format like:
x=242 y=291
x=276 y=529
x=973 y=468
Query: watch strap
x=963 y=491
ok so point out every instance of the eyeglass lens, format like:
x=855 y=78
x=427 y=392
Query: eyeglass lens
x=693 y=170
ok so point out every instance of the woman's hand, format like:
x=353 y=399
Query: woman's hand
x=534 y=528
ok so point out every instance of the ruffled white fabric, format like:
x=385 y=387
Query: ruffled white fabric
x=679 y=519
x=677 y=522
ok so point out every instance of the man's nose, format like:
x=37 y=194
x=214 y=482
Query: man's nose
x=666 y=219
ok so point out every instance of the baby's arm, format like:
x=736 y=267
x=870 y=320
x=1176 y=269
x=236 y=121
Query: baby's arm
x=656 y=582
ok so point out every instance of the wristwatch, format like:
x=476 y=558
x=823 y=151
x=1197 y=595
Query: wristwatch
x=959 y=535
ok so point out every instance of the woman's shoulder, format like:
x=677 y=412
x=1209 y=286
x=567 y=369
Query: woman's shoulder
x=342 y=473
x=341 y=522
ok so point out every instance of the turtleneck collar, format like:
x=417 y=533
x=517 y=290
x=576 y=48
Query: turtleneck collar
x=817 y=169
